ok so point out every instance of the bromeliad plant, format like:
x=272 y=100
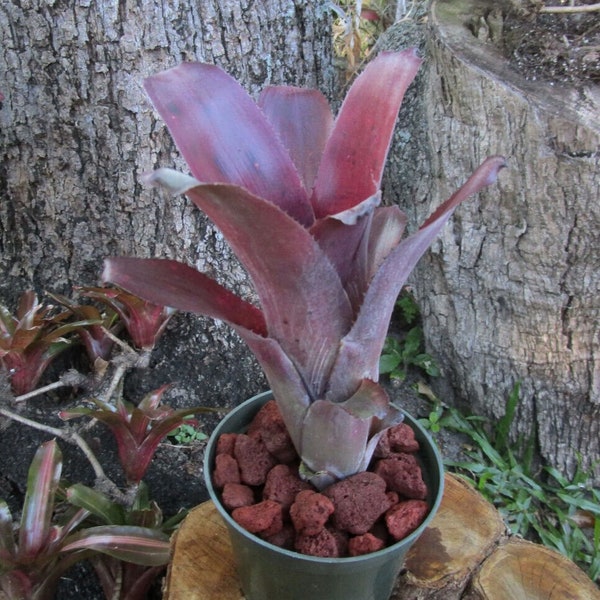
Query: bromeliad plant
x=31 y=339
x=38 y=551
x=139 y=429
x=296 y=194
x=144 y=321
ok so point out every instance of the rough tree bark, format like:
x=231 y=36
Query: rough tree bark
x=510 y=292
x=77 y=131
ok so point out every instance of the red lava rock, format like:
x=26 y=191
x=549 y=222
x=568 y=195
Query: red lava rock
x=402 y=438
x=269 y=426
x=402 y=474
x=364 y=544
x=396 y=439
x=370 y=508
x=253 y=459
x=264 y=517
x=341 y=539
x=283 y=484
x=323 y=544
x=393 y=498
x=405 y=517
x=379 y=530
x=226 y=470
x=226 y=443
x=283 y=538
x=359 y=501
x=310 y=512
x=236 y=495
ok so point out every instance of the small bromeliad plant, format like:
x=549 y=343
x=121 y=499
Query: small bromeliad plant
x=138 y=430
x=47 y=541
x=31 y=339
x=296 y=193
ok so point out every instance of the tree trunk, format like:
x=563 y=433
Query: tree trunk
x=511 y=291
x=77 y=132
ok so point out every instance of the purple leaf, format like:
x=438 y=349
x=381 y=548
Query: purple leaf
x=358 y=358
x=225 y=137
x=333 y=442
x=355 y=154
x=341 y=242
x=303 y=301
x=171 y=283
x=386 y=231
x=289 y=389
x=303 y=120
x=343 y=238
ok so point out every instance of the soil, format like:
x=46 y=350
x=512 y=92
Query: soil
x=548 y=46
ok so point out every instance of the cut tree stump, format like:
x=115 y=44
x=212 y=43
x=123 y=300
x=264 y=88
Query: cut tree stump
x=520 y=569
x=510 y=290
x=465 y=553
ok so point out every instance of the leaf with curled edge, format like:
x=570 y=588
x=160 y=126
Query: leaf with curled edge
x=361 y=348
x=225 y=137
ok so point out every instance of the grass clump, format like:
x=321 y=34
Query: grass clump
x=536 y=502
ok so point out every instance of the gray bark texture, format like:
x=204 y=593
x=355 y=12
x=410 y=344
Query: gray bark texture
x=511 y=290
x=77 y=132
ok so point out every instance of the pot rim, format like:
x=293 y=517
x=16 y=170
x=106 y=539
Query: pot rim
x=409 y=539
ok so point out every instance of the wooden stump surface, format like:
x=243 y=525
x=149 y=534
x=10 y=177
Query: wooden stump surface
x=465 y=554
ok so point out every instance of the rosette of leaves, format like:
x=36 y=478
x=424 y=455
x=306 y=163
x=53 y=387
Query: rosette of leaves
x=143 y=320
x=32 y=338
x=138 y=430
x=296 y=194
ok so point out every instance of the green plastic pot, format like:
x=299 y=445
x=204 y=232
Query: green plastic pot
x=267 y=572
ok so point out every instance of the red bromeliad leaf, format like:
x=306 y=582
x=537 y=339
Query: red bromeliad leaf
x=137 y=421
x=339 y=241
x=145 y=321
x=153 y=399
x=342 y=453
x=352 y=429
x=140 y=417
x=358 y=358
x=132 y=460
x=27 y=308
x=355 y=154
x=286 y=382
x=484 y=175
x=138 y=430
x=305 y=306
x=371 y=401
x=302 y=118
x=344 y=239
x=386 y=232
x=42 y=483
x=225 y=137
x=174 y=284
x=138 y=545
